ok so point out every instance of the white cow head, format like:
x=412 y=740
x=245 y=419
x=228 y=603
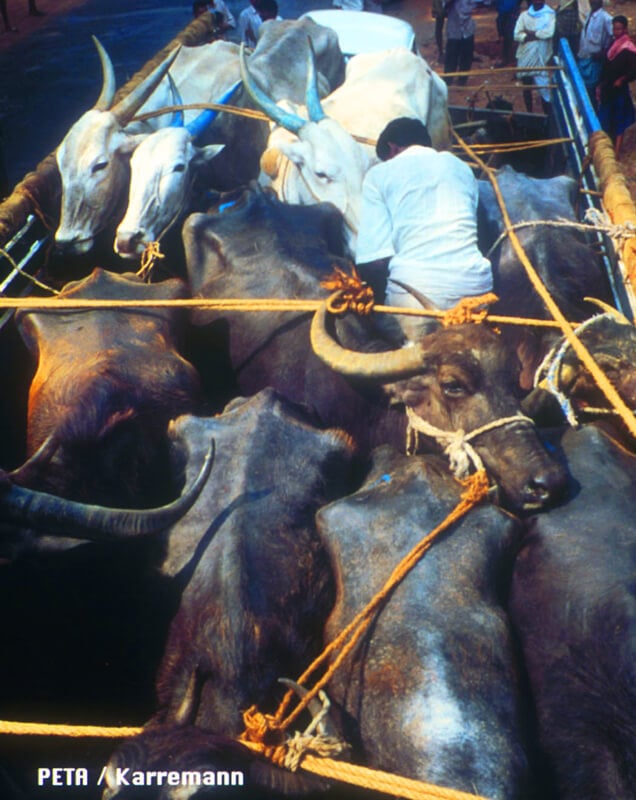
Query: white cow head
x=162 y=170
x=326 y=164
x=93 y=158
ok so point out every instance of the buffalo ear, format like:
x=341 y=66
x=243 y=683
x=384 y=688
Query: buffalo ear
x=207 y=153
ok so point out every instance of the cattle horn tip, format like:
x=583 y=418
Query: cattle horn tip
x=608 y=309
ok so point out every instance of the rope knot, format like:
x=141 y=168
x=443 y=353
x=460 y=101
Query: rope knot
x=352 y=293
x=261 y=729
x=149 y=256
x=465 y=311
x=476 y=487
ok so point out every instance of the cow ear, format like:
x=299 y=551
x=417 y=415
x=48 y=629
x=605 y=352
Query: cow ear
x=128 y=142
x=297 y=152
x=207 y=153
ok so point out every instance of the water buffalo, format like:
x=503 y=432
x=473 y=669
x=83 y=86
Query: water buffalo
x=432 y=691
x=107 y=382
x=254 y=580
x=567 y=387
x=573 y=606
x=565 y=262
x=459 y=378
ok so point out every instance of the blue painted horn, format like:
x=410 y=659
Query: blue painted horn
x=206 y=117
x=287 y=120
x=177 y=117
x=312 y=98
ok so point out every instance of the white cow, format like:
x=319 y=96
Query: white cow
x=94 y=156
x=166 y=164
x=317 y=159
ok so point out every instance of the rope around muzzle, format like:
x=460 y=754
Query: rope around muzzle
x=457 y=444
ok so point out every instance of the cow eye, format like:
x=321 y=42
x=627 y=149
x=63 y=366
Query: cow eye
x=452 y=388
x=99 y=166
x=322 y=176
x=179 y=168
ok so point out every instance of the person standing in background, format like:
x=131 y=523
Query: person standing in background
x=534 y=32
x=596 y=36
x=438 y=12
x=460 y=38
x=249 y=23
x=507 y=13
x=358 y=5
x=616 y=108
x=567 y=24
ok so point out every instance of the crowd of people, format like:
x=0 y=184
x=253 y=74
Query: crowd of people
x=602 y=45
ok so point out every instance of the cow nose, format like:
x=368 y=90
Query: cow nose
x=74 y=245
x=545 y=486
x=129 y=243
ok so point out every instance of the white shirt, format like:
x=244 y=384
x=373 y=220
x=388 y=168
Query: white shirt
x=249 y=24
x=420 y=210
x=220 y=7
x=596 y=34
x=358 y=5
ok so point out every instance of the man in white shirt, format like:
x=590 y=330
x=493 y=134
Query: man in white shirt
x=596 y=36
x=359 y=5
x=249 y=23
x=419 y=222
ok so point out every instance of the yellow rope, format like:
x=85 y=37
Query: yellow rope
x=579 y=348
x=62 y=303
x=376 y=780
x=73 y=731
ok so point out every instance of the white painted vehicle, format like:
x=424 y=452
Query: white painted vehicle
x=364 y=32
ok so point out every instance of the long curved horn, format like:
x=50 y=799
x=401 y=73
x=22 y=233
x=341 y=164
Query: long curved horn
x=312 y=97
x=60 y=517
x=285 y=119
x=390 y=366
x=608 y=309
x=177 y=117
x=108 y=78
x=207 y=117
x=125 y=110
x=422 y=299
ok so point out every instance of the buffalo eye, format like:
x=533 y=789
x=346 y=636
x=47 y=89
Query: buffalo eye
x=453 y=388
x=100 y=166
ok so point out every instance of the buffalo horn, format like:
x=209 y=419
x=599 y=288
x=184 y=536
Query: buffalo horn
x=317 y=709
x=422 y=299
x=312 y=97
x=285 y=119
x=108 y=78
x=608 y=310
x=60 y=517
x=207 y=117
x=126 y=108
x=388 y=366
